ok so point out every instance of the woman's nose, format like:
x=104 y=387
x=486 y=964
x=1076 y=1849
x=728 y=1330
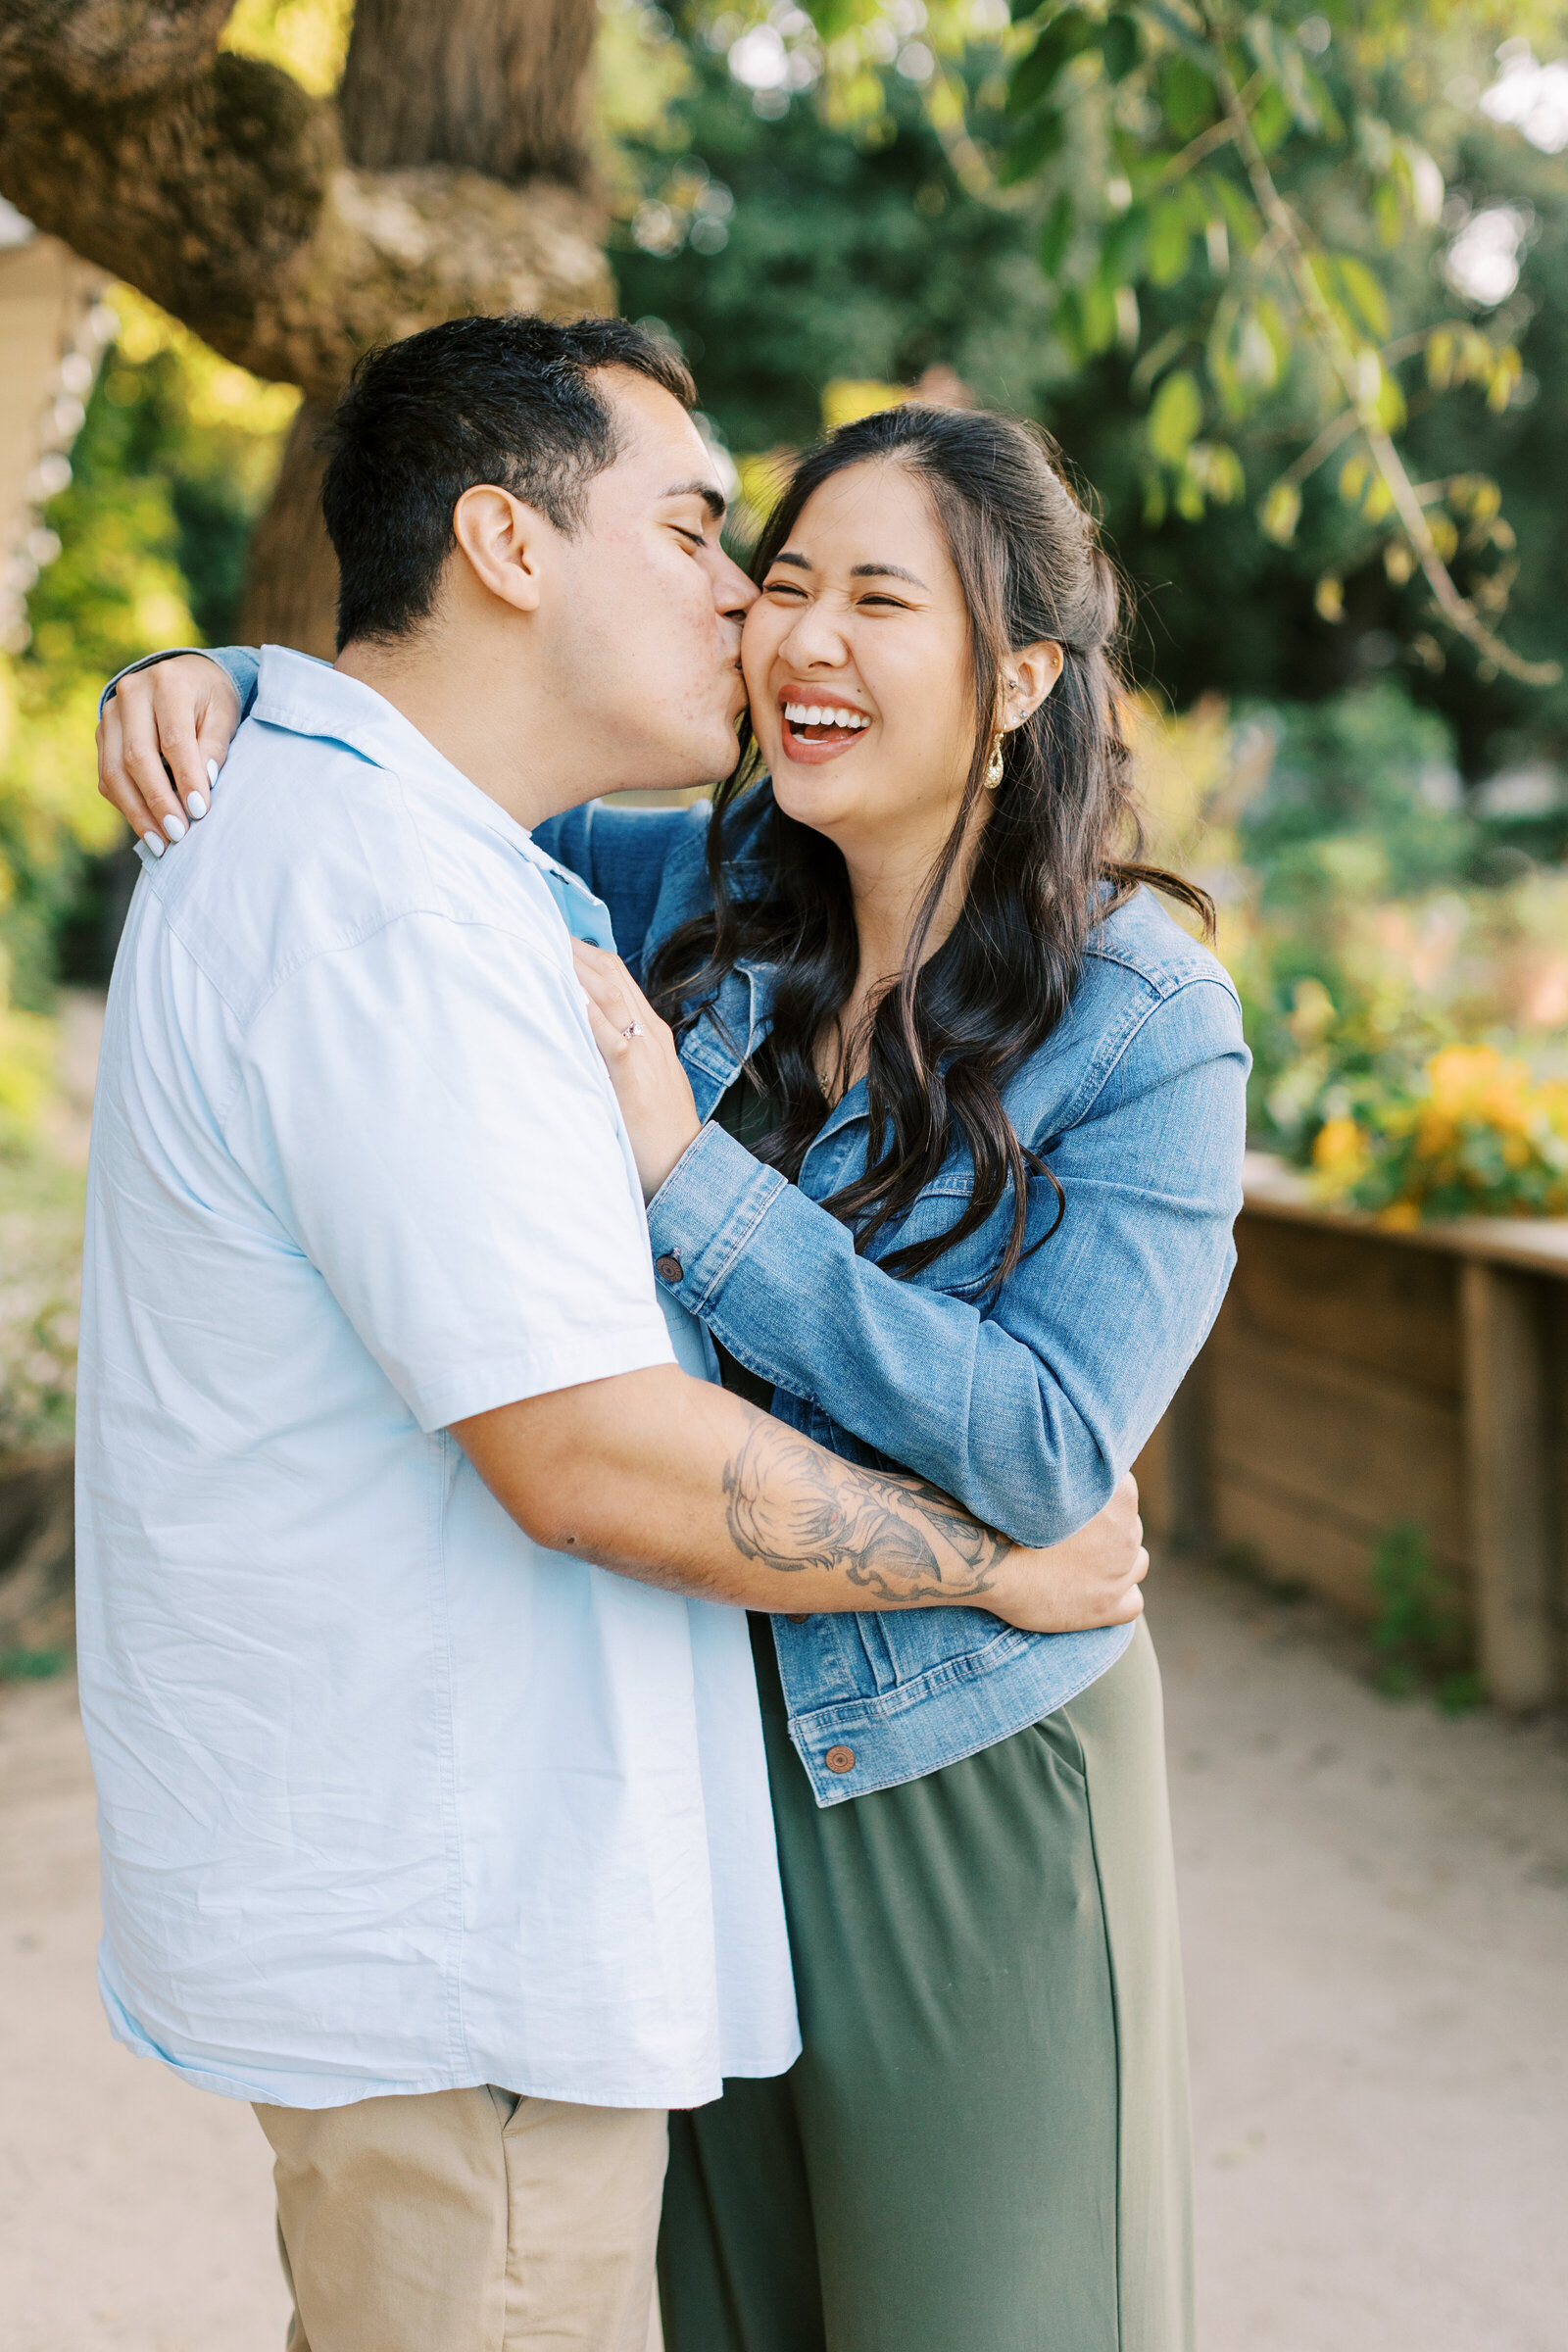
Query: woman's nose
x=814 y=640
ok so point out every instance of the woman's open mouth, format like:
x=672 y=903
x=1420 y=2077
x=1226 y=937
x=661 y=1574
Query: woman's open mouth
x=815 y=731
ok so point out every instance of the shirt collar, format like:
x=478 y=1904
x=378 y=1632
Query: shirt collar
x=309 y=697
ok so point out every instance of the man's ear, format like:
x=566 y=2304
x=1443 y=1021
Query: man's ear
x=1027 y=679
x=501 y=540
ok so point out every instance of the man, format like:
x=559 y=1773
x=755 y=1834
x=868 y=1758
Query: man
x=445 y=1847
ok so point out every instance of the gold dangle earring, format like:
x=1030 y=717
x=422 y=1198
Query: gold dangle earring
x=994 y=769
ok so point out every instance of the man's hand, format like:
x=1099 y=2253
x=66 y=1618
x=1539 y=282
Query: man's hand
x=163 y=735
x=1093 y=1577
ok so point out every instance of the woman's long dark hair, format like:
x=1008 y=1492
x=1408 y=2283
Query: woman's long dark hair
x=1060 y=848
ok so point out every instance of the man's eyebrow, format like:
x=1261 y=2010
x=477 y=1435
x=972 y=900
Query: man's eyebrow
x=714 y=500
x=886 y=571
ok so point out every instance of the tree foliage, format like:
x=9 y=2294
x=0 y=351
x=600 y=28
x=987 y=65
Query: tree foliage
x=1223 y=259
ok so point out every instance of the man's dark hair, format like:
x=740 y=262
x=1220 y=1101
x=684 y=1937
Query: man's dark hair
x=509 y=401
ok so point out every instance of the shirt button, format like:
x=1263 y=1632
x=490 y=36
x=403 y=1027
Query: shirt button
x=668 y=1268
x=804 y=1617
x=840 y=1759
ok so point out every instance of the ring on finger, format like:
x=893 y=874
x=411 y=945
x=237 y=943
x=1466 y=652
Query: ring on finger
x=634 y=1029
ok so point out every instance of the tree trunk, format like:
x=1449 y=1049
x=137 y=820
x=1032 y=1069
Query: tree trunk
x=477 y=82
x=291 y=578
x=294 y=234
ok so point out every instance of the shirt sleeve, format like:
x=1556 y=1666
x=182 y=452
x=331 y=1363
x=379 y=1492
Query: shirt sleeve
x=427 y=1114
x=241 y=664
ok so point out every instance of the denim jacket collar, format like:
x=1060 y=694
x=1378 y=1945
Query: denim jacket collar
x=731 y=1026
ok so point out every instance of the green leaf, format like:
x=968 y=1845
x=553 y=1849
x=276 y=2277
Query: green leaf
x=1442 y=351
x=1187 y=97
x=1282 y=512
x=1219 y=469
x=1354 y=476
x=1055 y=235
x=1061 y=41
x=1271 y=117
x=1121 y=252
x=1239 y=213
x=1121 y=45
x=1099 y=318
x=1390 y=404
x=1272 y=320
x=1365 y=293
x=1067 y=319
x=1170 y=245
x=1036 y=142
x=1175 y=416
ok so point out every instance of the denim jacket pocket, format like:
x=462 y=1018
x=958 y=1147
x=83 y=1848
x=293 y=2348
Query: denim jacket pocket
x=968 y=1269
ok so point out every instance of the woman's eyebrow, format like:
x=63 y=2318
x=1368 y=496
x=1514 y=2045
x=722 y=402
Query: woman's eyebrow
x=886 y=571
x=857 y=572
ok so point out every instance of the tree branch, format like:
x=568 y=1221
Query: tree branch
x=108 y=49
x=1457 y=609
x=227 y=200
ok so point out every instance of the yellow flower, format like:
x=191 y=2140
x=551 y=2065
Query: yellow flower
x=1340 y=1155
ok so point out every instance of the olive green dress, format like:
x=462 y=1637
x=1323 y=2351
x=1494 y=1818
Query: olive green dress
x=984 y=2145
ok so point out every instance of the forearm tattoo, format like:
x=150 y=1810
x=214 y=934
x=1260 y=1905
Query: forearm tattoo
x=791 y=1505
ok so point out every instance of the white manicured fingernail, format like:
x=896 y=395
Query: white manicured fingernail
x=175 y=827
x=196 y=802
x=156 y=845
x=212 y=771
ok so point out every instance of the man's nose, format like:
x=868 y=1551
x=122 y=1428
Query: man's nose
x=733 y=593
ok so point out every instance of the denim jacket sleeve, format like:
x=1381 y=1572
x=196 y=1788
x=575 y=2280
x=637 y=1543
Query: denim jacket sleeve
x=1029 y=1411
x=241 y=663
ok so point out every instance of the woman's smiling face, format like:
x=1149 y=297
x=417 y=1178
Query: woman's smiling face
x=857 y=664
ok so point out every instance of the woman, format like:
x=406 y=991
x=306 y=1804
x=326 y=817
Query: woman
x=940 y=1119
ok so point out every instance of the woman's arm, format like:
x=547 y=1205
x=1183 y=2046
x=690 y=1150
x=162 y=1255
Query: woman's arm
x=164 y=727
x=1029 y=1414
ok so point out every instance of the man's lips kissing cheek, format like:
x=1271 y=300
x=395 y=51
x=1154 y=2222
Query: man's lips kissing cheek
x=819 y=725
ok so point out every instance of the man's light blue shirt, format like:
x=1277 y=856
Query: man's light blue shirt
x=391 y=1801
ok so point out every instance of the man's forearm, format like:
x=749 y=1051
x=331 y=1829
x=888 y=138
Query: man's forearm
x=682 y=1485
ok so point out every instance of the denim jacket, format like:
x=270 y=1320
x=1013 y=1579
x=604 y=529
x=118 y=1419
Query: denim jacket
x=1026 y=1404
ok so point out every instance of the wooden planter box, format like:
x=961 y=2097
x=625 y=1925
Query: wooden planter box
x=1358 y=1378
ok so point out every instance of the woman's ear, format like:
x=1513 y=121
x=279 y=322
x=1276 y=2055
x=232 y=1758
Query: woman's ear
x=1027 y=677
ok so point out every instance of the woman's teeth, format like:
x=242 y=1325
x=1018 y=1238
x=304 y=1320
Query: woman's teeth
x=812 y=714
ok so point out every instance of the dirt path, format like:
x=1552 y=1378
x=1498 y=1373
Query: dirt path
x=1375 y=1906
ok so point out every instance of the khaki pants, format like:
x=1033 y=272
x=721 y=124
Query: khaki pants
x=469 y=2220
